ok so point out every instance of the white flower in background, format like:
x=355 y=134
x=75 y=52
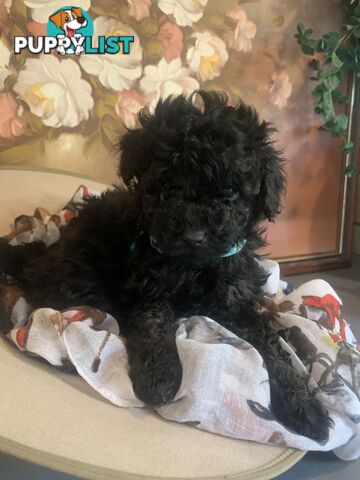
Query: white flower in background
x=118 y=72
x=186 y=12
x=245 y=31
x=4 y=64
x=280 y=89
x=208 y=56
x=164 y=79
x=42 y=9
x=55 y=91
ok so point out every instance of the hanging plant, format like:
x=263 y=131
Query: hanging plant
x=339 y=53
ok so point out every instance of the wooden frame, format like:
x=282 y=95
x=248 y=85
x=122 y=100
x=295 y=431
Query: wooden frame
x=341 y=258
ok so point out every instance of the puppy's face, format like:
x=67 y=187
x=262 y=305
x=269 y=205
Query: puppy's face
x=206 y=177
x=69 y=20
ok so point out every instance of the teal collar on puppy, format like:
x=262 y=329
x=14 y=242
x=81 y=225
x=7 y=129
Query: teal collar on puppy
x=232 y=251
x=235 y=248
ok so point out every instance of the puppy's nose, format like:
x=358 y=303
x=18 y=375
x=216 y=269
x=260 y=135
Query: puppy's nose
x=81 y=19
x=194 y=237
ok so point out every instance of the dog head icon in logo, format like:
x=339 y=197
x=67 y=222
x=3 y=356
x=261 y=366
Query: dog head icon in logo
x=70 y=31
x=72 y=23
x=69 y=20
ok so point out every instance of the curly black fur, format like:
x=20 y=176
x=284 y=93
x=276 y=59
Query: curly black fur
x=200 y=180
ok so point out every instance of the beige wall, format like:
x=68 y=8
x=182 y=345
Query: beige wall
x=246 y=48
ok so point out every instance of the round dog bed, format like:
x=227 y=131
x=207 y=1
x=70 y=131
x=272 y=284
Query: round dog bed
x=56 y=420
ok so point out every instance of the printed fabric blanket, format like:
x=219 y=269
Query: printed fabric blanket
x=225 y=387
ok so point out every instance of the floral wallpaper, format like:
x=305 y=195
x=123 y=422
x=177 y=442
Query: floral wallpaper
x=67 y=112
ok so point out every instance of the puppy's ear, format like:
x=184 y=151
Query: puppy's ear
x=272 y=183
x=134 y=159
x=268 y=162
x=58 y=18
x=77 y=11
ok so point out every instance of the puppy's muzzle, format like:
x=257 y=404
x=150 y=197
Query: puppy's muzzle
x=194 y=238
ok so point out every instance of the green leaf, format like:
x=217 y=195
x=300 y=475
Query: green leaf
x=18 y=10
x=215 y=20
x=330 y=80
x=18 y=60
x=148 y=27
x=109 y=99
x=339 y=97
x=154 y=50
x=306 y=43
x=93 y=145
x=348 y=147
x=22 y=153
x=331 y=39
x=34 y=122
x=315 y=64
x=278 y=21
x=337 y=125
x=319 y=90
x=350 y=170
x=17 y=31
x=336 y=60
x=101 y=109
x=110 y=130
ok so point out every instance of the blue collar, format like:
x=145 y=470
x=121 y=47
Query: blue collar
x=232 y=251
x=235 y=248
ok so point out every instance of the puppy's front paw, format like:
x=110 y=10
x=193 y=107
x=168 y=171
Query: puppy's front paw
x=305 y=416
x=157 y=378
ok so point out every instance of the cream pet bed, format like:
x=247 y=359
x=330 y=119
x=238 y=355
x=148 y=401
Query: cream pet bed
x=57 y=420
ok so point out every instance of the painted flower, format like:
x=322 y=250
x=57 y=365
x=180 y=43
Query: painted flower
x=164 y=79
x=186 y=12
x=208 y=56
x=280 y=89
x=36 y=29
x=55 y=91
x=139 y=9
x=5 y=6
x=42 y=9
x=171 y=36
x=118 y=72
x=245 y=31
x=127 y=107
x=4 y=64
x=12 y=120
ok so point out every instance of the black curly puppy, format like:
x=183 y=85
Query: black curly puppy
x=180 y=242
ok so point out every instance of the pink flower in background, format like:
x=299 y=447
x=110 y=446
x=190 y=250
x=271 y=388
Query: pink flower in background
x=245 y=31
x=172 y=38
x=36 y=29
x=208 y=56
x=139 y=9
x=280 y=89
x=129 y=104
x=12 y=120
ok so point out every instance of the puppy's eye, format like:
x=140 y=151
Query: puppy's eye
x=229 y=193
x=164 y=196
